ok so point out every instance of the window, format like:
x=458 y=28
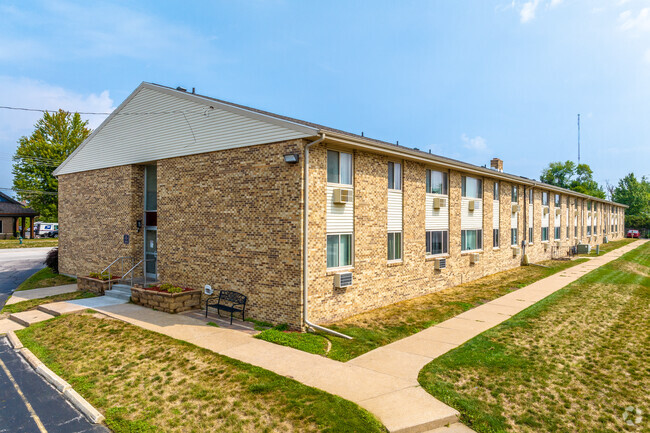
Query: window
x=588 y=230
x=557 y=200
x=496 y=191
x=530 y=196
x=575 y=203
x=394 y=175
x=513 y=237
x=589 y=205
x=471 y=187
x=436 y=182
x=557 y=232
x=339 y=250
x=595 y=207
x=544 y=198
x=530 y=235
x=339 y=167
x=395 y=246
x=437 y=242
x=575 y=231
x=471 y=240
x=514 y=194
x=544 y=234
x=495 y=238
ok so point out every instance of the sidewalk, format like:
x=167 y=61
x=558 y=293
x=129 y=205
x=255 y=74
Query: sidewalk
x=26 y=295
x=383 y=381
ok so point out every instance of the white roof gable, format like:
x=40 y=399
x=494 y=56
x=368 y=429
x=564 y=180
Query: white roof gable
x=157 y=123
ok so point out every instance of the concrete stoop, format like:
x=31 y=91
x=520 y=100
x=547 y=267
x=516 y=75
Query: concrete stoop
x=28 y=318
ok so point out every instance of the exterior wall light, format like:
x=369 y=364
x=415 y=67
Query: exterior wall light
x=291 y=158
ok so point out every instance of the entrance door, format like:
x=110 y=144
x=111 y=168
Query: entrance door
x=151 y=222
x=151 y=252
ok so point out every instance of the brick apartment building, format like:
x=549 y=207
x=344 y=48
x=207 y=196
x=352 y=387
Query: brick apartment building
x=213 y=193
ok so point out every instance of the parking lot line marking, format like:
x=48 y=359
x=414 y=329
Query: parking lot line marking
x=35 y=417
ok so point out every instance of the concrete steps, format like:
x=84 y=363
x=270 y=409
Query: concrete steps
x=27 y=318
x=119 y=291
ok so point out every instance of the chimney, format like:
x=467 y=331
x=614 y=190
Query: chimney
x=497 y=164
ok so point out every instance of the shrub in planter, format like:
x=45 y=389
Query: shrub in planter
x=52 y=260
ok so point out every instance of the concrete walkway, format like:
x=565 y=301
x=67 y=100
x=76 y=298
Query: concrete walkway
x=383 y=381
x=26 y=295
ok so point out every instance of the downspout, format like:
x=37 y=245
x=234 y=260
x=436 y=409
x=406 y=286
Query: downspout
x=305 y=246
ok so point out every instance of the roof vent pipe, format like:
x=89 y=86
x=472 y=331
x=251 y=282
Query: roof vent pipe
x=305 y=250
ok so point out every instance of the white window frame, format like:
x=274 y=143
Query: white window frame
x=478 y=238
x=445 y=249
x=340 y=152
x=338 y=266
x=401 y=247
x=391 y=167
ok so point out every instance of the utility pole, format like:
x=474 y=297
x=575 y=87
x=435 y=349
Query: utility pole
x=578 y=139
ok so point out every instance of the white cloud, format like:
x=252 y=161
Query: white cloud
x=528 y=10
x=28 y=93
x=477 y=144
x=639 y=23
x=555 y=3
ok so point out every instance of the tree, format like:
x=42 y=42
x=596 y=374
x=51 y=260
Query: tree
x=635 y=193
x=578 y=178
x=55 y=137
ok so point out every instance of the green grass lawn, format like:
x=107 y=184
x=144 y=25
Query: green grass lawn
x=33 y=303
x=384 y=325
x=45 y=278
x=147 y=382
x=571 y=363
x=29 y=243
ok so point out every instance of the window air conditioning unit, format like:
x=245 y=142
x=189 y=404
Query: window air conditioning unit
x=545 y=210
x=343 y=280
x=439 y=202
x=558 y=244
x=515 y=251
x=471 y=205
x=342 y=196
x=558 y=212
x=440 y=264
x=515 y=208
x=474 y=258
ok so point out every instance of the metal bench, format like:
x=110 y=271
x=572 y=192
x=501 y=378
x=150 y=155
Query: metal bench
x=233 y=302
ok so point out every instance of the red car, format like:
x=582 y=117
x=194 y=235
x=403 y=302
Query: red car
x=632 y=233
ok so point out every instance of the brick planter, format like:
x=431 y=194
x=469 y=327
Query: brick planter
x=95 y=285
x=167 y=302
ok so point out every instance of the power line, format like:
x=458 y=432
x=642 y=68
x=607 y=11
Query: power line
x=30 y=191
x=97 y=113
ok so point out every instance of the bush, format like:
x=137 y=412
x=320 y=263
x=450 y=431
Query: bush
x=52 y=260
x=169 y=288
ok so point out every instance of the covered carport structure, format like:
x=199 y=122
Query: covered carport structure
x=13 y=216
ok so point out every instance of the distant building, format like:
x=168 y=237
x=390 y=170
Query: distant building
x=13 y=215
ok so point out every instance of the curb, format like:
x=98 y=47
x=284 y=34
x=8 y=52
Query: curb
x=61 y=385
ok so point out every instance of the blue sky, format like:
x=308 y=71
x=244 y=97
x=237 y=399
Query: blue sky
x=467 y=79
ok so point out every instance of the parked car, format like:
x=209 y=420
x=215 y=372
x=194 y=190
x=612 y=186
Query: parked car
x=632 y=233
x=53 y=234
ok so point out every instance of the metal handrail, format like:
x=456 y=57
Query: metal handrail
x=144 y=272
x=121 y=259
